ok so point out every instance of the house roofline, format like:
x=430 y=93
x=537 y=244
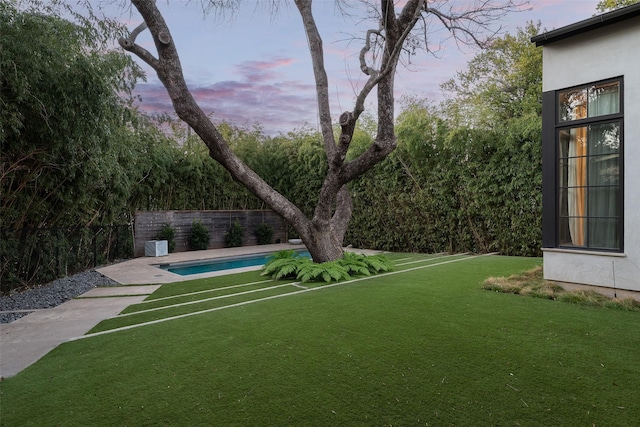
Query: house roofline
x=587 y=25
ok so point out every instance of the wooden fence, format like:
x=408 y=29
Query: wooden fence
x=148 y=223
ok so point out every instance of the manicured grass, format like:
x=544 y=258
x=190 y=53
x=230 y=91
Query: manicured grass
x=420 y=347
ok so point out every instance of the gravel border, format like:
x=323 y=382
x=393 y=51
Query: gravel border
x=50 y=295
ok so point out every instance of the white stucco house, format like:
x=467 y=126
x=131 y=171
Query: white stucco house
x=591 y=152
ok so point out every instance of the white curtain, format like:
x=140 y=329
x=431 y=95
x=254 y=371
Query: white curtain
x=576 y=182
x=604 y=168
x=604 y=177
x=604 y=100
x=592 y=174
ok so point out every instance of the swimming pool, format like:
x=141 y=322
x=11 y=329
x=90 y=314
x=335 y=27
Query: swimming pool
x=220 y=264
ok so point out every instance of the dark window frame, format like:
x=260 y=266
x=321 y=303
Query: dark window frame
x=552 y=125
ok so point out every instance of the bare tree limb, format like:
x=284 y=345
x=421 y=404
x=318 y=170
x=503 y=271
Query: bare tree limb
x=320 y=74
x=169 y=71
x=395 y=32
x=129 y=44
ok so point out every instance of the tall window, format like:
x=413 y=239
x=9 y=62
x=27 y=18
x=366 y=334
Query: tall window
x=589 y=153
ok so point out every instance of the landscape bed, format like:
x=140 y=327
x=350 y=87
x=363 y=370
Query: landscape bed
x=424 y=345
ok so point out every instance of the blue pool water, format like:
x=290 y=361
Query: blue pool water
x=219 y=264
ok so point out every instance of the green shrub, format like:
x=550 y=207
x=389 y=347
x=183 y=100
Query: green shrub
x=264 y=234
x=199 y=236
x=289 y=264
x=168 y=233
x=233 y=236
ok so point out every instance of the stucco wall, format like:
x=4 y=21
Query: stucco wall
x=601 y=54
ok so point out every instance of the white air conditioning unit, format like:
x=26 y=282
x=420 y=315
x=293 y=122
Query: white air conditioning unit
x=156 y=248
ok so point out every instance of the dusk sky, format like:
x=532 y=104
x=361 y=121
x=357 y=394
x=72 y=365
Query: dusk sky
x=254 y=67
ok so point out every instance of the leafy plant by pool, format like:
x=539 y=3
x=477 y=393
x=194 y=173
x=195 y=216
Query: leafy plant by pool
x=289 y=264
x=199 y=236
x=168 y=233
x=264 y=234
x=233 y=236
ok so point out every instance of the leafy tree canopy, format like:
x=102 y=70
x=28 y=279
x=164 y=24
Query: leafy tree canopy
x=500 y=83
x=63 y=107
x=607 y=5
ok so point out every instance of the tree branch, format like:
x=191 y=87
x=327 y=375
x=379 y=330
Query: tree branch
x=394 y=32
x=463 y=26
x=393 y=44
x=320 y=74
x=169 y=71
x=129 y=44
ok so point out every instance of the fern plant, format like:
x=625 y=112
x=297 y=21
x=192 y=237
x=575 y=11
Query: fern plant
x=378 y=263
x=282 y=264
x=326 y=271
x=284 y=268
x=289 y=264
x=284 y=254
x=354 y=264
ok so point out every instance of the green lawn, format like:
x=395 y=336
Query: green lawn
x=425 y=346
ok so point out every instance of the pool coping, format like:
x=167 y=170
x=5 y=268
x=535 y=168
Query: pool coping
x=145 y=271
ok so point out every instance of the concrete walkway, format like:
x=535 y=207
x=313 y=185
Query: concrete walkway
x=26 y=340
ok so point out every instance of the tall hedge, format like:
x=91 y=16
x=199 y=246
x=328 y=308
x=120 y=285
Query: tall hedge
x=453 y=190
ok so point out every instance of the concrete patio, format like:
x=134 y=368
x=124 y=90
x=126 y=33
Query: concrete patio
x=144 y=270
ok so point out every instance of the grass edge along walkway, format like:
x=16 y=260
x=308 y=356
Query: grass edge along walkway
x=182 y=304
x=205 y=291
x=301 y=291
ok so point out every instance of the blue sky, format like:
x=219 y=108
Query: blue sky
x=254 y=67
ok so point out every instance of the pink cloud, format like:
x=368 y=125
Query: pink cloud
x=267 y=65
x=261 y=94
x=262 y=71
x=277 y=106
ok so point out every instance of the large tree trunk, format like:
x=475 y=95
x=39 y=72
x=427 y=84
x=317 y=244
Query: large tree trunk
x=324 y=234
x=323 y=243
